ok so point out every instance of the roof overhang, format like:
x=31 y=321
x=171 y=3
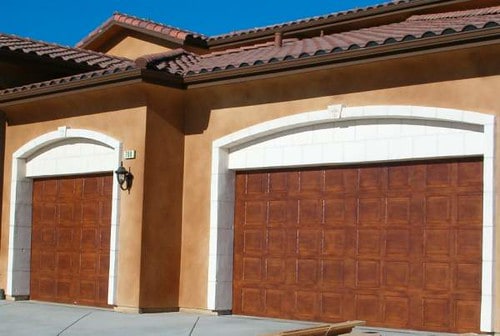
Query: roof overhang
x=442 y=43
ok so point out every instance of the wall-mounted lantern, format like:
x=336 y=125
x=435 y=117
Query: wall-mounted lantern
x=124 y=177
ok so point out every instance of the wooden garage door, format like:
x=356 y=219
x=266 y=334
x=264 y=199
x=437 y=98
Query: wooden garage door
x=70 y=239
x=397 y=245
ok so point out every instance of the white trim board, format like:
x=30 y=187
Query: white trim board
x=104 y=159
x=347 y=135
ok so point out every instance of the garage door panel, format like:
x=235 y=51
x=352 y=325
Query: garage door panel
x=70 y=248
x=396 y=245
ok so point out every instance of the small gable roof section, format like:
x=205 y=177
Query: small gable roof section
x=41 y=51
x=119 y=23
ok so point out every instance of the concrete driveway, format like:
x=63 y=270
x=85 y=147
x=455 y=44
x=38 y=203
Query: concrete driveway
x=34 y=318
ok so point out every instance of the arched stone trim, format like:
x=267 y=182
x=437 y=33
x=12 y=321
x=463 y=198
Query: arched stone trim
x=19 y=254
x=220 y=258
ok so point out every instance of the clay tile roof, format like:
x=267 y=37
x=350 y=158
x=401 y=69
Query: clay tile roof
x=175 y=62
x=416 y=27
x=57 y=52
x=135 y=22
x=308 y=20
x=69 y=79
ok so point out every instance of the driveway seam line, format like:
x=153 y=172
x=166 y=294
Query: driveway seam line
x=194 y=326
x=75 y=322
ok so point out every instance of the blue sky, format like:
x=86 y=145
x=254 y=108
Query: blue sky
x=67 y=22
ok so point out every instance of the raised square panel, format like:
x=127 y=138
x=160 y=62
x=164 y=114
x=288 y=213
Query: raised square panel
x=437 y=243
x=469 y=244
x=275 y=241
x=470 y=174
x=341 y=180
x=256 y=183
x=64 y=262
x=67 y=187
x=399 y=177
x=370 y=178
x=63 y=289
x=48 y=238
x=90 y=211
x=369 y=242
x=436 y=313
x=438 y=210
x=309 y=242
x=310 y=212
x=92 y=187
x=89 y=264
x=90 y=238
x=367 y=308
x=255 y=212
x=306 y=304
x=340 y=211
x=437 y=276
x=253 y=241
x=331 y=305
x=307 y=272
x=88 y=290
x=438 y=175
x=398 y=211
x=252 y=269
x=468 y=277
x=47 y=262
x=470 y=210
x=333 y=243
x=332 y=272
x=397 y=242
x=468 y=315
x=274 y=302
x=49 y=213
x=277 y=212
x=275 y=270
x=47 y=287
x=396 y=311
x=371 y=211
x=368 y=274
x=278 y=182
x=67 y=214
x=396 y=274
x=311 y=180
x=66 y=238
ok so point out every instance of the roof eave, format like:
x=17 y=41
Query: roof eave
x=363 y=55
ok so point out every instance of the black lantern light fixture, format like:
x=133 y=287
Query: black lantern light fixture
x=124 y=177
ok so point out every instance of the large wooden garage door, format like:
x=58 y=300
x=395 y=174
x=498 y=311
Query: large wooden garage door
x=397 y=245
x=70 y=239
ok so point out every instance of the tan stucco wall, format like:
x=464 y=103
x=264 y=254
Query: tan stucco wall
x=127 y=125
x=466 y=80
x=162 y=219
x=133 y=47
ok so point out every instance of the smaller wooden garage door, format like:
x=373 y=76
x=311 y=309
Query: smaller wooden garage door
x=70 y=239
x=396 y=245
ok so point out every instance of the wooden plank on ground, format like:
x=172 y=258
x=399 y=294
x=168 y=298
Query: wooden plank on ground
x=322 y=330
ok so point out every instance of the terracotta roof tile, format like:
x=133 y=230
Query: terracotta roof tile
x=57 y=52
x=68 y=79
x=307 y=20
x=174 y=32
x=416 y=27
